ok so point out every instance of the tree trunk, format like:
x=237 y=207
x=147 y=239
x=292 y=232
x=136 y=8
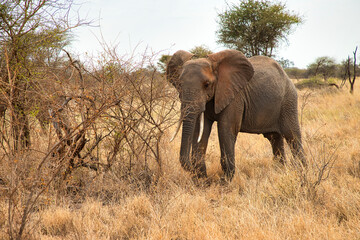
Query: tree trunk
x=352 y=88
x=354 y=78
x=20 y=126
x=19 y=120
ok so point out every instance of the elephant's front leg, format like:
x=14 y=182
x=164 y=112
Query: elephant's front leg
x=227 y=139
x=199 y=148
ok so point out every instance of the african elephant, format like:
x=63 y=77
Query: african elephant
x=252 y=95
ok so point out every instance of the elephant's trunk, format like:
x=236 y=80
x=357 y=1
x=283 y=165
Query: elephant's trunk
x=186 y=141
x=179 y=125
x=190 y=116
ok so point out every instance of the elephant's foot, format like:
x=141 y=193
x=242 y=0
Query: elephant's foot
x=201 y=181
x=199 y=169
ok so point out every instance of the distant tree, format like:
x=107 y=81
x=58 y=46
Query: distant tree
x=255 y=27
x=295 y=73
x=325 y=66
x=343 y=68
x=162 y=63
x=201 y=51
x=351 y=72
x=285 y=63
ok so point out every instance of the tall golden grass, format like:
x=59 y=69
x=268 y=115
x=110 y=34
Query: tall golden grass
x=265 y=200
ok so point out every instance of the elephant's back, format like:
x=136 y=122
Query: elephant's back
x=268 y=67
x=265 y=95
x=269 y=75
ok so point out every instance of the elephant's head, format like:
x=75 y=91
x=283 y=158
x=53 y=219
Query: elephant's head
x=220 y=76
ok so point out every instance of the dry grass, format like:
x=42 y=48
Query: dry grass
x=264 y=201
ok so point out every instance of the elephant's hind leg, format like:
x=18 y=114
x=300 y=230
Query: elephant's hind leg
x=293 y=138
x=297 y=150
x=277 y=143
x=290 y=128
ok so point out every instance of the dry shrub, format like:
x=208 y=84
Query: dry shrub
x=101 y=125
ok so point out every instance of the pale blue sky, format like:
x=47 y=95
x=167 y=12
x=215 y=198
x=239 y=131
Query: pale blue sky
x=331 y=27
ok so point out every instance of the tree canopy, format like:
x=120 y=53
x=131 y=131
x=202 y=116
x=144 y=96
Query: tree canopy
x=255 y=27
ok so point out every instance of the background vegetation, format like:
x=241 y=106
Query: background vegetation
x=85 y=151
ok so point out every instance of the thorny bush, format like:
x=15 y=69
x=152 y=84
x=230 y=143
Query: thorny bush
x=101 y=119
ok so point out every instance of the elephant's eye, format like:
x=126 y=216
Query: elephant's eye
x=206 y=84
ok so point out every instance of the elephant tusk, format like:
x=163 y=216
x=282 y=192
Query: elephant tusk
x=176 y=131
x=201 y=127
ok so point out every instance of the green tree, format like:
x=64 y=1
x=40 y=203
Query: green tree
x=255 y=27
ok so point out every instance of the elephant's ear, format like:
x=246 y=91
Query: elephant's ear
x=233 y=72
x=174 y=67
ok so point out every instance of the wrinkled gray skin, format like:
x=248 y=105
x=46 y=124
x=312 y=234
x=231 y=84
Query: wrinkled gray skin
x=243 y=95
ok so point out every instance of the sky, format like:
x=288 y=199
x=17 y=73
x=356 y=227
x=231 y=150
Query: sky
x=331 y=27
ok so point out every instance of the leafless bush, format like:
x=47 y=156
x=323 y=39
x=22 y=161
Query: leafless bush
x=102 y=118
x=320 y=164
x=107 y=116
